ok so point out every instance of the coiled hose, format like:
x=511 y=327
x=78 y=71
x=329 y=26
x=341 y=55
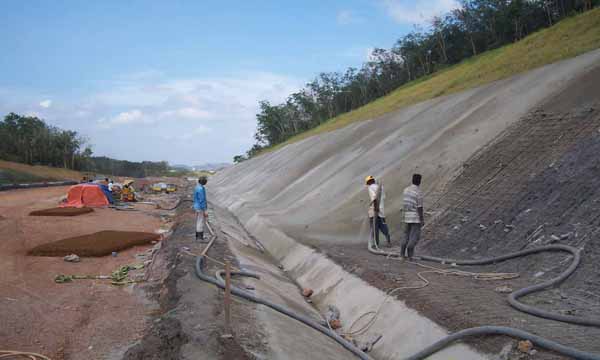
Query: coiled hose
x=513 y=298
x=251 y=297
x=514 y=302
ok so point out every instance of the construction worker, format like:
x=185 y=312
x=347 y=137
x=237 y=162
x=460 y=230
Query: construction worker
x=200 y=207
x=376 y=212
x=413 y=217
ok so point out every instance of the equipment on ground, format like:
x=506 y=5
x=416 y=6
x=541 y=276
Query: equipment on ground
x=127 y=193
x=171 y=188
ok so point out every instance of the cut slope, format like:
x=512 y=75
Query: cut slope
x=27 y=173
x=312 y=192
x=570 y=37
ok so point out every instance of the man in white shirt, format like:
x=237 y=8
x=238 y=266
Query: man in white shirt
x=376 y=212
x=413 y=217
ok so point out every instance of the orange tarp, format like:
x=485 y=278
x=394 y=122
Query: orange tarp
x=88 y=195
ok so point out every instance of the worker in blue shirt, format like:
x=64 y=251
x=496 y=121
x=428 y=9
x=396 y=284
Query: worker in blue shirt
x=200 y=207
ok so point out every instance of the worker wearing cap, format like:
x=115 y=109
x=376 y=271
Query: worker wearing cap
x=200 y=206
x=413 y=217
x=376 y=212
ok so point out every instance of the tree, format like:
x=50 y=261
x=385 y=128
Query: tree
x=474 y=27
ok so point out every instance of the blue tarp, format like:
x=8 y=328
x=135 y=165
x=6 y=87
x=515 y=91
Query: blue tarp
x=107 y=193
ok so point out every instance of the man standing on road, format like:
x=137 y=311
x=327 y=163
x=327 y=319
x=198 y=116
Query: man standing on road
x=413 y=217
x=376 y=212
x=201 y=207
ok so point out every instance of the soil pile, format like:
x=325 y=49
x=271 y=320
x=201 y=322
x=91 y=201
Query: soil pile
x=62 y=211
x=97 y=244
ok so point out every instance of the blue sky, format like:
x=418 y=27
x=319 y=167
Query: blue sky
x=180 y=80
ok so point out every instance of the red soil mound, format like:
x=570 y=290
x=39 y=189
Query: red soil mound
x=62 y=212
x=96 y=244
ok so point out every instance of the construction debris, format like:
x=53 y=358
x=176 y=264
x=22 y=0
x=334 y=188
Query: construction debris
x=332 y=315
x=525 y=346
x=306 y=292
x=117 y=277
x=503 y=289
x=72 y=258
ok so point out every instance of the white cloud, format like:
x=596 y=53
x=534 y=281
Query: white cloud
x=419 y=11
x=46 y=103
x=346 y=17
x=124 y=118
x=150 y=116
x=186 y=113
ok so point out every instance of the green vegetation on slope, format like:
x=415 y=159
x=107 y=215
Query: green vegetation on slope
x=11 y=172
x=569 y=38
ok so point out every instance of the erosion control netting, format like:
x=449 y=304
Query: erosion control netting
x=97 y=244
x=67 y=211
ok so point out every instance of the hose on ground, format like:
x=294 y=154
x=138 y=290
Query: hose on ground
x=513 y=298
x=181 y=201
x=501 y=330
x=14 y=354
x=303 y=319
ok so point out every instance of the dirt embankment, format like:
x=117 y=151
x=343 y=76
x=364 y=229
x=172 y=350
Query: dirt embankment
x=190 y=321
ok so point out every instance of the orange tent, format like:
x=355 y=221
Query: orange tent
x=85 y=195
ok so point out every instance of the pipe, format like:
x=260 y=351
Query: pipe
x=501 y=330
x=303 y=319
x=513 y=298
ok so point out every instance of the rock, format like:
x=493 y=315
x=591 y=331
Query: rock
x=506 y=352
x=72 y=258
x=566 y=236
x=503 y=289
x=335 y=324
x=306 y=292
x=525 y=346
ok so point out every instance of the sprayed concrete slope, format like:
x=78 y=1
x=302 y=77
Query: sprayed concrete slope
x=311 y=193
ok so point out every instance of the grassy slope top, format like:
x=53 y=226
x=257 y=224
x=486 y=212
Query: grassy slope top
x=26 y=173
x=568 y=38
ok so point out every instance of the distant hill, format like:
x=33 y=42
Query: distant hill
x=211 y=166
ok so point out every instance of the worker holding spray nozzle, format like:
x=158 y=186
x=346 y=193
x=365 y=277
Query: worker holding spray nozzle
x=376 y=212
x=200 y=206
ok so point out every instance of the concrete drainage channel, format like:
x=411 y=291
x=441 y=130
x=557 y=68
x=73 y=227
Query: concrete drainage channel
x=404 y=332
x=412 y=337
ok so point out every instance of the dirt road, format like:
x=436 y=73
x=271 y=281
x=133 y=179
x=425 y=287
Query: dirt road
x=86 y=319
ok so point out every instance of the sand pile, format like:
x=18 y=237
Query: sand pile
x=97 y=244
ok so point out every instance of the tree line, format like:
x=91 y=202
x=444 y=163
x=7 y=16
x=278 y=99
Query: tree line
x=29 y=140
x=474 y=27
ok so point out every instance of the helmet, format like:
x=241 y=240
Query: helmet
x=369 y=178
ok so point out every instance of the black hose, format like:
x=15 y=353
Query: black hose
x=303 y=319
x=501 y=330
x=181 y=201
x=514 y=296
